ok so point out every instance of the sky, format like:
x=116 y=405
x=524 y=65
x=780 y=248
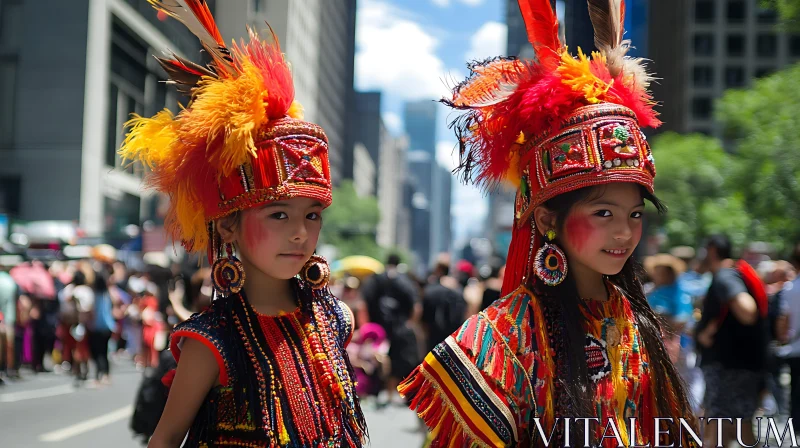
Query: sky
x=418 y=49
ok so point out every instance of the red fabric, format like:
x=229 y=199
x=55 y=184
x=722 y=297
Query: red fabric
x=168 y=378
x=176 y=351
x=754 y=286
x=517 y=262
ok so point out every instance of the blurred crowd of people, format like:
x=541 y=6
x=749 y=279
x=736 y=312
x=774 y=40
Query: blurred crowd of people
x=400 y=316
x=731 y=329
x=72 y=316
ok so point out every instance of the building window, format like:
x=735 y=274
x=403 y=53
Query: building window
x=734 y=77
x=704 y=44
x=704 y=11
x=794 y=45
x=10 y=194
x=767 y=15
x=736 y=45
x=737 y=11
x=8 y=83
x=766 y=45
x=701 y=108
x=764 y=71
x=136 y=87
x=703 y=76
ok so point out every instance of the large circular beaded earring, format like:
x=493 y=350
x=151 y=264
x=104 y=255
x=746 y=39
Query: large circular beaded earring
x=550 y=263
x=227 y=273
x=316 y=272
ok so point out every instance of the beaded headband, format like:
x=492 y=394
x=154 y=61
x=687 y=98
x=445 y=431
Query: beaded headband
x=596 y=145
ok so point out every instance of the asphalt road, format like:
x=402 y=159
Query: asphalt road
x=46 y=411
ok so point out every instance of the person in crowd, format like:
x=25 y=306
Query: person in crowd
x=668 y=299
x=248 y=180
x=790 y=351
x=493 y=283
x=733 y=333
x=573 y=335
x=443 y=305
x=777 y=276
x=103 y=322
x=473 y=287
x=392 y=302
x=9 y=293
x=369 y=352
x=695 y=280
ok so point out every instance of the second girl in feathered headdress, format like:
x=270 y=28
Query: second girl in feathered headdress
x=573 y=337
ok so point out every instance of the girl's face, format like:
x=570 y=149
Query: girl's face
x=279 y=238
x=600 y=234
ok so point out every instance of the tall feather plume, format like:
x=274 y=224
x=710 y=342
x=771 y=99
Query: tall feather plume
x=197 y=17
x=541 y=23
x=608 y=17
x=184 y=74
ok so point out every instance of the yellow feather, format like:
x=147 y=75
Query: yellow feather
x=296 y=110
x=230 y=110
x=576 y=73
x=149 y=140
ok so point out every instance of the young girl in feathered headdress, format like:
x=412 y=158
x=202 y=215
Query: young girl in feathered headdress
x=265 y=364
x=572 y=336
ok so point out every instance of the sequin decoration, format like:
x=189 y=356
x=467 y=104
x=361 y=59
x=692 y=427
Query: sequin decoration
x=596 y=358
x=550 y=264
x=227 y=274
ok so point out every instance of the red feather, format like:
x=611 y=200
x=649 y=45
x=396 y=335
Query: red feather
x=203 y=14
x=541 y=24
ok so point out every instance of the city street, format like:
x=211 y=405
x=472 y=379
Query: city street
x=47 y=411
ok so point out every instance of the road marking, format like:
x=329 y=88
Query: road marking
x=37 y=393
x=88 y=425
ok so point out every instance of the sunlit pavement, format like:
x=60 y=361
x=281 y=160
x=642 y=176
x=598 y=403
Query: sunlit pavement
x=46 y=410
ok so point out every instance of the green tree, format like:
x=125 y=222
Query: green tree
x=763 y=123
x=692 y=180
x=788 y=11
x=351 y=222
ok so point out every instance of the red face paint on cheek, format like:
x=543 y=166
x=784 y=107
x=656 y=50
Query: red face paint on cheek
x=579 y=231
x=254 y=231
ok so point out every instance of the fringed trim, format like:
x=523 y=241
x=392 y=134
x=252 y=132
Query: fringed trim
x=433 y=406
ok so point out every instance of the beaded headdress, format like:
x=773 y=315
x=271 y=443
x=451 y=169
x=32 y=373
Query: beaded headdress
x=557 y=123
x=239 y=143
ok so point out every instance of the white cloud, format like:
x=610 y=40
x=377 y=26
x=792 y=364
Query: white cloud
x=393 y=122
x=396 y=55
x=489 y=41
x=441 y=3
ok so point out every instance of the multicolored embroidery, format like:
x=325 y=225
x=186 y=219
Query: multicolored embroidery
x=471 y=389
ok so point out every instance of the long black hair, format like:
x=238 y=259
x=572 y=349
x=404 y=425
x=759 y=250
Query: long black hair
x=564 y=304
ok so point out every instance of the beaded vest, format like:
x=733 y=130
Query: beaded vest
x=285 y=380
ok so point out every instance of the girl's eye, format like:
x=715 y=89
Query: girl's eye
x=603 y=213
x=636 y=215
x=279 y=215
x=313 y=216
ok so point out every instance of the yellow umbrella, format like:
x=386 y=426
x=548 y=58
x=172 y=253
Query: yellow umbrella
x=357 y=265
